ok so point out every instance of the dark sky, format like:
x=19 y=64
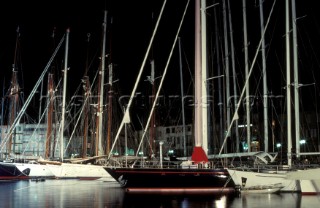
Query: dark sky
x=127 y=38
x=130 y=32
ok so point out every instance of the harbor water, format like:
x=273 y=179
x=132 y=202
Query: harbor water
x=101 y=194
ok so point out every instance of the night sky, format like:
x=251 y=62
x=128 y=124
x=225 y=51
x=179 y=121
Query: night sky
x=130 y=25
x=127 y=36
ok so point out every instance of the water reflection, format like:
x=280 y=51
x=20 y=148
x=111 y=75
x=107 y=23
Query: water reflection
x=260 y=200
x=79 y=193
x=60 y=193
x=199 y=201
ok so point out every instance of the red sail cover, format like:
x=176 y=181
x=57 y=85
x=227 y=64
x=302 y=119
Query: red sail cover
x=199 y=155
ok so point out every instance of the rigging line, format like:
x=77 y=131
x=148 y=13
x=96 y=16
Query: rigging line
x=43 y=114
x=137 y=80
x=80 y=114
x=24 y=107
x=35 y=129
x=162 y=77
x=149 y=144
x=235 y=115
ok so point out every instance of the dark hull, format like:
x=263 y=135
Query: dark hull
x=8 y=171
x=170 y=180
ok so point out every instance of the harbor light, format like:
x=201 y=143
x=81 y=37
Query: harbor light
x=302 y=141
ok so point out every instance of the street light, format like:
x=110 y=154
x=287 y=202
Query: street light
x=303 y=143
x=278 y=146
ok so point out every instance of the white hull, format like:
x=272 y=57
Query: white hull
x=36 y=170
x=251 y=179
x=79 y=171
x=309 y=180
x=310 y=187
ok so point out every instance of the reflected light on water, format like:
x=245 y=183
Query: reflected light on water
x=100 y=194
x=221 y=203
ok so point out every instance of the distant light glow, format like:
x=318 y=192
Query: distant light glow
x=243 y=125
x=303 y=141
x=221 y=203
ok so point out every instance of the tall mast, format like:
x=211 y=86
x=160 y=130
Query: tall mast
x=198 y=112
x=265 y=87
x=14 y=96
x=296 y=79
x=182 y=104
x=64 y=95
x=49 y=115
x=99 y=148
x=86 y=97
x=152 y=128
x=226 y=52
x=50 y=94
x=14 y=99
x=288 y=84
x=110 y=93
x=153 y=117
x=204 y=75
x=246 y=61
x=220 y=97
x=200 y=150
x=235 y=97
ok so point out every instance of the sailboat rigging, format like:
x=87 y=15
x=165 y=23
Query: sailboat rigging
x=290 y=176
x=27 y=169
x=196 y=176
x=86 y=171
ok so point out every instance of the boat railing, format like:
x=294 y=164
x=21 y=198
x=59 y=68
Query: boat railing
x=270 y=168
x=154 y=163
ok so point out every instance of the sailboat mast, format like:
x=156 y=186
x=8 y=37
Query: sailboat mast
x=64 y=95
x=14 y=93
x=99 y=148
x=110 y=93
x=86 y=97
x=198 y=112
x=182 y=104
x=220 y=97
x=153 y=115
x=49 y=116
x=289 y=145
x=246 y=63
x=265 y=87
x=204 y=71
x=87 y=94
x=110 y=96
x=296 y=80
x=234 y=77
x=226 y=53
